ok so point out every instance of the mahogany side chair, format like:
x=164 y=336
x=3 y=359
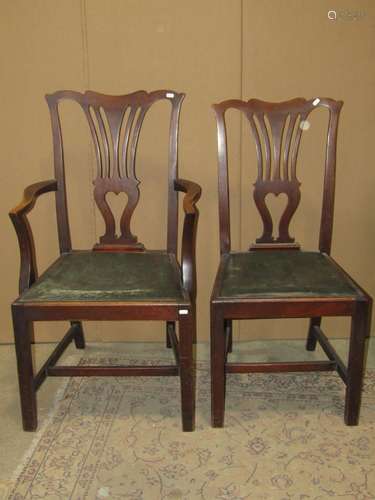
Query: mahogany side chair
x=275 y=278
x=118 y=279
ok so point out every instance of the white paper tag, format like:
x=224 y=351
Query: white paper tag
x=304 y=125
x=183 y=311
x=170 y=95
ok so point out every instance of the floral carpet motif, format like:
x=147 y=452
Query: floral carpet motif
x=284 y=438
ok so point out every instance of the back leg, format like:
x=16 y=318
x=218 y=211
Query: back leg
x=311 y=339
x=79 y=337
x=170 y=325
x=356 y=362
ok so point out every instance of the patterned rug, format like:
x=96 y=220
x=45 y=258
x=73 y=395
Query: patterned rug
x=284 y=438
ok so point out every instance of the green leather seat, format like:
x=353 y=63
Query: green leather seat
x=283 y=273
x=109 y=276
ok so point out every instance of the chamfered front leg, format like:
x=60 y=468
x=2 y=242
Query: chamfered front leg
x=187 y=326
x=311 y=339
x=217 y=367
x=79 y=337
x=356 y=359
x=23 y=339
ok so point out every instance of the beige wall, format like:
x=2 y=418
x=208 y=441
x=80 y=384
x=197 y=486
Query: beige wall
x=211 y=50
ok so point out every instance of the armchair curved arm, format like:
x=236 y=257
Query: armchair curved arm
x=193 y=193
x=28 y=269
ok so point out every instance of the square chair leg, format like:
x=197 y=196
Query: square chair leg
x=23 y=339
x=187 y=326
x=356 y=359
x=311 y=339
x=217 y=368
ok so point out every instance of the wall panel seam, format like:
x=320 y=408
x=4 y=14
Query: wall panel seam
x=90 y=157
x=86 y=82
x=240 y=142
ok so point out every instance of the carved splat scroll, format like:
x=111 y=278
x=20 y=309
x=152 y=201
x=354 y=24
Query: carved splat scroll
x=277 y=130
x=115 y=123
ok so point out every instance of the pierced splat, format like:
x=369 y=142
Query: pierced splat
x=115 y=123
x=115 y=131
x=277 y=134
x=277 y=130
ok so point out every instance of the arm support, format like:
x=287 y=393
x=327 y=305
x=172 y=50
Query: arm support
x=28 y=270
x=193 y=193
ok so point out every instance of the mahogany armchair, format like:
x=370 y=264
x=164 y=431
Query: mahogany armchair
x=118 y=279
x=275 y=279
